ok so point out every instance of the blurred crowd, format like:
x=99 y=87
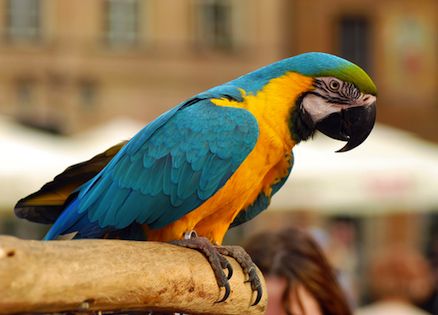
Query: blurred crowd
x=304 y=277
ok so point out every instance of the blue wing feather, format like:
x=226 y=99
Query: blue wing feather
x=168 y=169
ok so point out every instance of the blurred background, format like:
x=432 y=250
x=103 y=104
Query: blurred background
x=79 y=76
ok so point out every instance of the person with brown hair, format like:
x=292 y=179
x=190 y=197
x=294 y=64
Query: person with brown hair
x=399 y=277
x=298 y=277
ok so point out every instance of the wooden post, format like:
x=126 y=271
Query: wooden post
x=101 y=275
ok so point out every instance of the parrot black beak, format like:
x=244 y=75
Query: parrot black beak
x=353 y=125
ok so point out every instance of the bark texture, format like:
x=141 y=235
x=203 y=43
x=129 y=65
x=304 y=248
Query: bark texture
x=101 y=275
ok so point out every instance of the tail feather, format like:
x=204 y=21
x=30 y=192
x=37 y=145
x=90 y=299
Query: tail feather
x=71 y=221
x=46 y=205
x=65 y=221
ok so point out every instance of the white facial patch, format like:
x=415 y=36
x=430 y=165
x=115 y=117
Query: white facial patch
x=318 y=108
x=365 y=100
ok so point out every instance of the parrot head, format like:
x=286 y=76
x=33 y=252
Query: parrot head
x=341 y=103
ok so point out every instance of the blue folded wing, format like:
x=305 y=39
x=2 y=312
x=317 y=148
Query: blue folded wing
x=163 y=174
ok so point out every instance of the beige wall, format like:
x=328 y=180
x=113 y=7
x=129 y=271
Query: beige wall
x=168 y=65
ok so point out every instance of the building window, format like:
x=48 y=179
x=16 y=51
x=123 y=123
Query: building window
x=23 y=19
x=215 y=27
x=87 y=94
x=355 y=40
x=122 y=22
x=25 y=93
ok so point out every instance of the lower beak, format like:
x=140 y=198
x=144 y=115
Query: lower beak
x=353 y=125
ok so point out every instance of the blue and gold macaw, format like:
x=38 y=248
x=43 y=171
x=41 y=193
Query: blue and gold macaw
x=212 y=162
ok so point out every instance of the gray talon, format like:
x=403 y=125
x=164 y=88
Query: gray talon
x=230 y=270
x=248 y=268
x=259 y=295
x=217 y=261
x=227 y=293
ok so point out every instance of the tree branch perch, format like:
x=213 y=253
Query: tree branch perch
x=92 y=275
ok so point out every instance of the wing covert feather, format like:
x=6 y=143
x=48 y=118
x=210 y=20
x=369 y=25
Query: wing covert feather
x=174 y=170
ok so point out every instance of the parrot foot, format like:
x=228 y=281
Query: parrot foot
x=248 y=267
x=217 y=262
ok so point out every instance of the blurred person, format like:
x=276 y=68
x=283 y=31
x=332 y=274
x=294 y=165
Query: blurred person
x=398 y=279
x=341 y=251
x=298 y=277
x=431 y=303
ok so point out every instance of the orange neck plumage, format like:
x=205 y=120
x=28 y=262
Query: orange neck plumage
x=272 y=105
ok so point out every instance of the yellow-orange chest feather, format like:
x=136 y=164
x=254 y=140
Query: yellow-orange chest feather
x=267 y=163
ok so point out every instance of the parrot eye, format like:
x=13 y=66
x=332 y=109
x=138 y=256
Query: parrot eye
x=334 y=85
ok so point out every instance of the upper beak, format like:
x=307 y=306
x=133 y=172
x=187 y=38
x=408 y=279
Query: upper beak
x=352 y=124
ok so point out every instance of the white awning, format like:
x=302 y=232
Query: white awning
x=30 y=158
x=391 y=171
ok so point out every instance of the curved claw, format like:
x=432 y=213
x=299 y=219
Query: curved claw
x=227 y=293
x=259 y=296
x=230 y=270
x=248 y=267
x=255 y=285
x=225 y=264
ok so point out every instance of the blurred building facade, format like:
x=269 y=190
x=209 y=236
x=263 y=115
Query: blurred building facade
x=67 y=65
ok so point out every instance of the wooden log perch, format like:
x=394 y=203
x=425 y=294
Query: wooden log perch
x=109 y=275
